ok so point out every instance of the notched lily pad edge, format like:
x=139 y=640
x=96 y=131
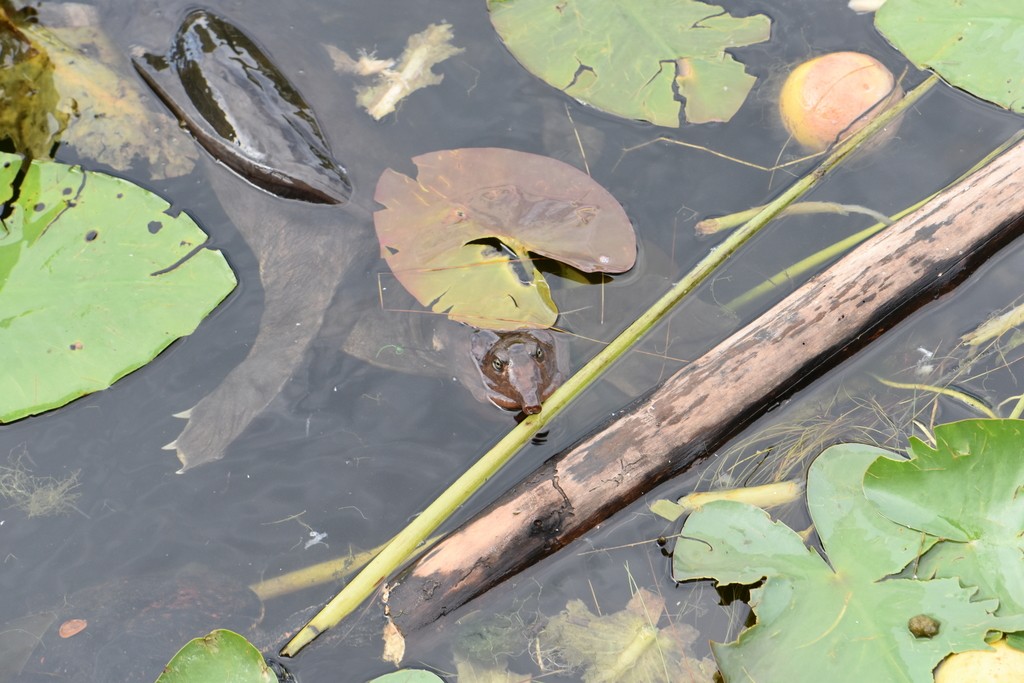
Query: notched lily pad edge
x=219 y=279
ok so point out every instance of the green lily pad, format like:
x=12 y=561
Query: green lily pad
x=434 y=232
x=222 y=656
x=96 y=278
x=973 y=44
x=625 y=58
x=966 y=491
x=844 y=619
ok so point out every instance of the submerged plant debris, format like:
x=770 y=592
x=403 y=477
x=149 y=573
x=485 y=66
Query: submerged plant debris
x=626 y=646
x=485 y=643
x=244 y=111
x=396 y=80
x=33 y=495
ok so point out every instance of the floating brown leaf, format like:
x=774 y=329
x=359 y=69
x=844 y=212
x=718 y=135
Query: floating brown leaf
x=459 y=236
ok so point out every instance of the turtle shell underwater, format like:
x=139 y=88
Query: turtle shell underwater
x=239 y=107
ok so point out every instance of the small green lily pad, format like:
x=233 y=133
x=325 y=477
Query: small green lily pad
x=967 y=492
x=409 y=676
x=96 y=279
x=625 y=58
x=438 y=232
x=222 y=656
x=974 y=44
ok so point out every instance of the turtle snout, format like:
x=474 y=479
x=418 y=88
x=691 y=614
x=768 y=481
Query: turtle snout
x=531 y=408
x=526 y=380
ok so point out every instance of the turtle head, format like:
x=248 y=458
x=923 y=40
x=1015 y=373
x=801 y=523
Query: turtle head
x=519 y=369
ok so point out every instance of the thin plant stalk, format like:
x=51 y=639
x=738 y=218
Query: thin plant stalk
x=963 y=397
x=815 y=260
x=405 y=543
x=1018 y=409
x=710 y=226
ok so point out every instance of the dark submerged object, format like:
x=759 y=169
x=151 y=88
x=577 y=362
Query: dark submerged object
x=125 y=630
x=225 y=90
x=245 y=113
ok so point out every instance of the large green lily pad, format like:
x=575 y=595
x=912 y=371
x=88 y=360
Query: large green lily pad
x=977 y=45
x=625 y=57
x=434 y=231
x=967 y=492
x=841 y=620
x=96 y=278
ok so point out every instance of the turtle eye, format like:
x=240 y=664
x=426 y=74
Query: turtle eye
x=497 y=365
x=539 y=353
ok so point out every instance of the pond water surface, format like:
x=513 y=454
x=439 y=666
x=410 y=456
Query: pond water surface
x=348 y=453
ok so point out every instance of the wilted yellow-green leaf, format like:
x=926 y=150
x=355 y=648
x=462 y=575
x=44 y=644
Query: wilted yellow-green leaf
x=29 y=114
x=107 y=120
x=1001 y=664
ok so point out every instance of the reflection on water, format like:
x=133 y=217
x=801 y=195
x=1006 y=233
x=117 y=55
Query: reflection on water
x=352 y=451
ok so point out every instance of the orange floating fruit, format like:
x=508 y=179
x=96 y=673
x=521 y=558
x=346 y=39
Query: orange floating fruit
x=835 y=95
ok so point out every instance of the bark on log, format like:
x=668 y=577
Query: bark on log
x=696 y=409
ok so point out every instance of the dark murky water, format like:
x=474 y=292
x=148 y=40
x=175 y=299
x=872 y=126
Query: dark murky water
x=353 y=452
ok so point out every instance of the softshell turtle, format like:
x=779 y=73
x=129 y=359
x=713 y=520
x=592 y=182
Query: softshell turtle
x=514 y=370
x=226 y=91
x=126 y=629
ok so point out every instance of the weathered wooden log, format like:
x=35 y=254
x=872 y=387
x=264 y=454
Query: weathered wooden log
x=695 y=410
